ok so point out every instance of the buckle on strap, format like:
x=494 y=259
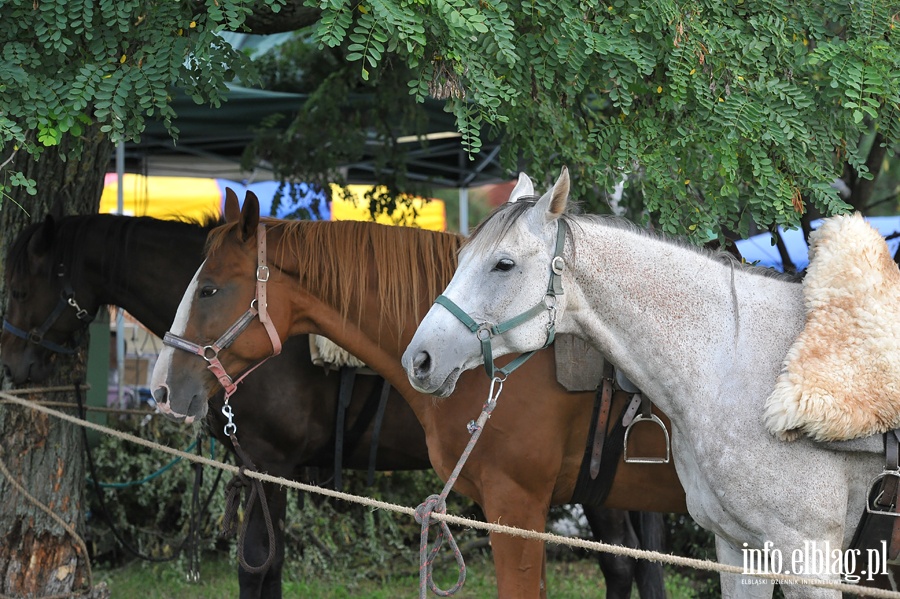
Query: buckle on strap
x=884 y=490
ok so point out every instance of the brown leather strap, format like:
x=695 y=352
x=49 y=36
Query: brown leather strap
x=894 y=545
x=890 y=489
x=646 y=406
x=601 y=426
x=628 y=416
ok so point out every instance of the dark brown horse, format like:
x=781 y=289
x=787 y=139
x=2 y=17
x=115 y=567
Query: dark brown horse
x=285 y=412
x=366 y=286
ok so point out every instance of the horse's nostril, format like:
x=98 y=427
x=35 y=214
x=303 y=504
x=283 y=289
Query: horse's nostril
x=160 y=395
x=422 y=364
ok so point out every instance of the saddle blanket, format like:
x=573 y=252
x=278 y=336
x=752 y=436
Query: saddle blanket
x=840 y=378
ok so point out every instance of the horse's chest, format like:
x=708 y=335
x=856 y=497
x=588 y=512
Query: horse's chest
x=717 y=478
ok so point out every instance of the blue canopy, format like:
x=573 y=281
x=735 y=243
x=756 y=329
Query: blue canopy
x=314 y=202
x=759 y=249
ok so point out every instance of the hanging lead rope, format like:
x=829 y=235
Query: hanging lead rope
x=438 y=504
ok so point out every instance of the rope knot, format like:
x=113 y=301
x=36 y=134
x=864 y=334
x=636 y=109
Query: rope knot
x=233 y=491
x=436 y=504
x=432 y=504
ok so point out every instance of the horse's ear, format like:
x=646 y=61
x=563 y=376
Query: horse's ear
x=42 y=240
x=524 y=188
x=249 y=216
x=553 y=203
x=232 y=207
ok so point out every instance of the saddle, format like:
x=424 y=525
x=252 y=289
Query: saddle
x=841 y=377
x=331 y=356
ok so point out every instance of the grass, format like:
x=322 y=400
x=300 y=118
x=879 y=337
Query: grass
x=578 y=579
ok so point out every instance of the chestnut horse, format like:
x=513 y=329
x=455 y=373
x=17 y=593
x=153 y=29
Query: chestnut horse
x=285 y=413
x=366 y=286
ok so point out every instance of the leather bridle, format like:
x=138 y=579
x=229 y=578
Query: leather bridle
x=66 y=300
x=257 y=309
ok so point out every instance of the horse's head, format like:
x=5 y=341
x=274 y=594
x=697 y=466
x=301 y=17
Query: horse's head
x=499 y=301
x=223 y=325
x=44 y=313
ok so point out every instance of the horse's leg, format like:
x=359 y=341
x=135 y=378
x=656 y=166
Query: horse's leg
x=518 y=562
x=651 y=534
x=256 y=546
x=737 y=585
x=611 y=527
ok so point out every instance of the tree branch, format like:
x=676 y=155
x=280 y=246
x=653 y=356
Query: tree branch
x=292 y=16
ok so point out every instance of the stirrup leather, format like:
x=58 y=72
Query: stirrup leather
x=630 y=420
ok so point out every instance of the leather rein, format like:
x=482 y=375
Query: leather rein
x=257 y=309
x=484 y=331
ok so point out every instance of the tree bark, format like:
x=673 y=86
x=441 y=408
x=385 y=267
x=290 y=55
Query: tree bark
x=44 y=455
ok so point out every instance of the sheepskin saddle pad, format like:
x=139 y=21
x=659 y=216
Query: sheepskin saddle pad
x=840 y=378
x=329 y=355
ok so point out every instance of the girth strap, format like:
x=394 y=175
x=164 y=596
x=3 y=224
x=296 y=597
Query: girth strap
x=880 y=521
x=345 y=395
x=376 y=431
x=602 y=421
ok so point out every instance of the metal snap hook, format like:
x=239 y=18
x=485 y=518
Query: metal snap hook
x=496 y=389
x=80 y=313
x=230 y=426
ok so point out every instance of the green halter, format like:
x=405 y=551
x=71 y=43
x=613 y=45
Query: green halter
x=485 y=331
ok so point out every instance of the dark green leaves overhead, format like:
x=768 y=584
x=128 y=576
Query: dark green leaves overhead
x=716 y=111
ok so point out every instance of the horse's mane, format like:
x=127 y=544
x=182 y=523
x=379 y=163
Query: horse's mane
x=503 y=217
x=73 y=233
x=409 y=266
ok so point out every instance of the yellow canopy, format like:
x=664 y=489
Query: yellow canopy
x=162 y=197
x=195 y=199
x=429 y=214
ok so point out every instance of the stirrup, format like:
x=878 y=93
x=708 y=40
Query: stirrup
x=653 y=418
x=871 y=506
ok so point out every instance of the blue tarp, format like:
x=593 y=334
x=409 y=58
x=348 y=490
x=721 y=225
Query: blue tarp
x=760 y=250
x=313 y=202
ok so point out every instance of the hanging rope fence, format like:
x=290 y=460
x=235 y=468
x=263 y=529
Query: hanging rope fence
x=664 y=558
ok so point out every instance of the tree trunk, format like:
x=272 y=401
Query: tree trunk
x=42 y=454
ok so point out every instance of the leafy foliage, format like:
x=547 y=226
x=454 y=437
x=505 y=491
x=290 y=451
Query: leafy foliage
x=718 y=113
x=325 y=538
x=65 y=64
x=346 y=115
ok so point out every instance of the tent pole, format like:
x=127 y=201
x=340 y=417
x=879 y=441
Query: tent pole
x=120 y=321
x=464 y=210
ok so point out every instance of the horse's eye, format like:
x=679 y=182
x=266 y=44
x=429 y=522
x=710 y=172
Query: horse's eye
x=18 y=295
x=208 y=291
x=504 y=265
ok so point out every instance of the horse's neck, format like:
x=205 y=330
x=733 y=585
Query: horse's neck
x=158 y=271
x=362 y=339
x=677 y=321
x=367 y=332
